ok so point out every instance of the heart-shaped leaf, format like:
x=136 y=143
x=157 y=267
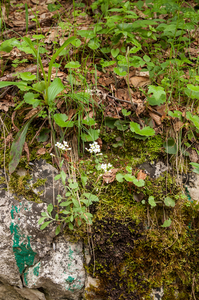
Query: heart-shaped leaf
x=146 y=131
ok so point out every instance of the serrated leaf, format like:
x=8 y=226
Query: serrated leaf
x=167 y=223
x=45 y=225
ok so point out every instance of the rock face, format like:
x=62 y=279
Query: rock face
x=32 y=259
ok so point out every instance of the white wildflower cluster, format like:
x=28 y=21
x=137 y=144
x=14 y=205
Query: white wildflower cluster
x=63 y=146
x=105 y=167
x=94 y=148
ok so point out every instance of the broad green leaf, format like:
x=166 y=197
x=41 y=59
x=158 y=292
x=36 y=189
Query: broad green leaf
x=146 y=58
x=91 y=136
x=129 y=169
x=84 y=180
x=30 y=98
x=89 y=121
x=152 y=201
x=27 y=76
x=91 y=197
x=17 y=146
x=129 y=177
x=72 y=65
x=107 y=63
x=21 y=85
x=76 y=203
x=45 y=225
x=196 y=166
x=169 y=202
x=121 y=125
x=170 y=146
x=94 y=44
x=41 y=220
x=119 y=177
x=115 y=52
x=139 y=183
x=194 y=119
x=50 y=208
x=68 y=194
x=125 y=112
x=57 y=231
x=57 y=177
x=44 y=214
x=54 y=89
x=119 y=71
x=89 y=34
x=76 y=43
x=38 y=36
x=70 y=225
x=137 y=62
x=40 y=86
x=175 y=114
x=146 y=131
x=159 y=95
x=73 y=185
x=43 y=135
x=167 y=223
x=63 y=177
x=60 y=119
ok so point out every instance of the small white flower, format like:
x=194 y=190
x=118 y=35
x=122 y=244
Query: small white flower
x=105 y=167
x=94 y=148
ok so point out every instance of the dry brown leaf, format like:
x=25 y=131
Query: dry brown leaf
x=178 y=125
x=141 y=175
x=41 y=151
x=32 y=113
x=26 y=149
x=140 y=106
x=156 y=118
x=193 y=156
x=139 y=81
x=109 y=176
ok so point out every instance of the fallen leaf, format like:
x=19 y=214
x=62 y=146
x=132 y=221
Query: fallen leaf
x=109 y=176
x=178 y=125
x=156 y=118
x=141 y=175
x=41 y=151
x=139 y=81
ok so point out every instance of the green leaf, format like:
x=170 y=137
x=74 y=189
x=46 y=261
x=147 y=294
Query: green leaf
x=30 y=98
x=115 y=52
x=45 y=225
x=196 y=166
x=84 y=180
x=91 y=197
x=89 y=34
x=68 y=194
x=57 y=231
x=63 y=177
x=54 y=89
x=57 y=177
x=170 y=146
x=139 y=183
x=41 y=220
x=73 y=185
x=119 y=71
x=89 y=121
x=76 y=43
x=44 y=214
x=60 y=119
x=129 y=169
x=53 y=7
x=27 y=76
x=66 y=43
x=43 y=135
x=94 y=44
x=169 y=202
x=194 y=119
x=72 y=65
x=146 y=131
x=167 y=223
x=125 y=113
x=92 y=135
x=175 y=114
x=66 y=203
x=159 y=95
x=129 y=177
x=146 y=58
x=70 y=225
x=40 y=86
x=151 y=201
x=17 y=146
x=50 y=208
x=21 y=85
x=121 y=125
x=119 y=177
